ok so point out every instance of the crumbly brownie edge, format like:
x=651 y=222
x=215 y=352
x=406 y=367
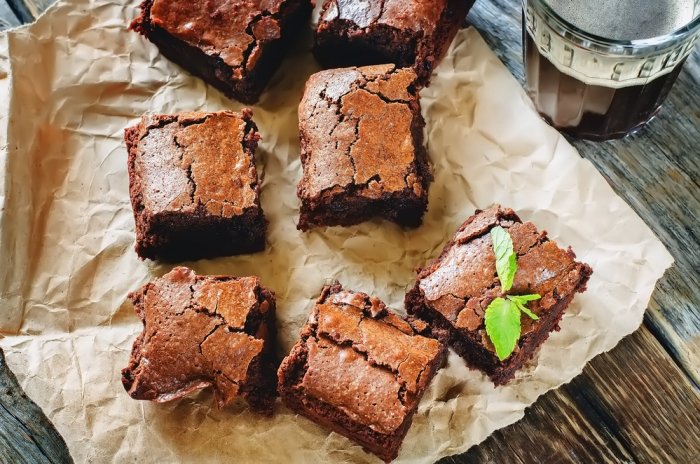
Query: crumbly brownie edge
x=430 y=53
x=174 y=237
x=292 y=371
x=260 y=388
x=293 y=15
x=342 y=208
x=340 y=43
x=136 y=298
x=132 y=136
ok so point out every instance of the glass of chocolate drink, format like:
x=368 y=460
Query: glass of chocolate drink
x=600 y=69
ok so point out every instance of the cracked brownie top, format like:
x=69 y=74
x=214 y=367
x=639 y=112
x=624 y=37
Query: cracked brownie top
x=357 y=129
x=201 y=331
x=365 y=360
x=233 y=30
x=188 y=160
x=417 y=15
x=462 y=281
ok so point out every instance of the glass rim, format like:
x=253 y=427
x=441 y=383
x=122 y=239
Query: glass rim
x=674 y=36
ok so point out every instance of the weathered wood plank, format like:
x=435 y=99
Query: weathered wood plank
x=645 y=399
x=630 y=405
x=553 y=430
x=26 y=435
x=29 y=10
x=8 y=19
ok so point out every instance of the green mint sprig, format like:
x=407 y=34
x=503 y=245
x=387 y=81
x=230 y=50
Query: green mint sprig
x=502 y=315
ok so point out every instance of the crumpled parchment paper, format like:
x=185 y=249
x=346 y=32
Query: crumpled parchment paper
x=70 y=84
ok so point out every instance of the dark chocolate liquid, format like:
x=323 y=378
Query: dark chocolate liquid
x=590 y=111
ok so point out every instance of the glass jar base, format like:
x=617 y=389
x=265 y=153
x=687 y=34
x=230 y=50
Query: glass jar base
x=582 y=134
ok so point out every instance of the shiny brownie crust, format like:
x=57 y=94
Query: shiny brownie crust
x=359 y=370
x=362 y=150
x=204 y=331
x=452 y=292
x=194 y=187
x=408 y=33
x=234 y=45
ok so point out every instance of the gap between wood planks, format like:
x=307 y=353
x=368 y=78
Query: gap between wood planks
x=630 y=405
x=8 y=18
x=28 y=10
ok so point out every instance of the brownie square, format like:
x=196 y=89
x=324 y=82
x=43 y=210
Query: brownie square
x=193 y=185
x=359 y=370
x=362 y=149
x=202 y=331
x=452 y=292
x=234 y=45
x=408 y=33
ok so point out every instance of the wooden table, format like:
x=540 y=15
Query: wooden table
x=638 y=403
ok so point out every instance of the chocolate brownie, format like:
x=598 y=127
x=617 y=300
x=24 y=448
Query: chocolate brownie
x=452 y=292
x=235 y=45
x=408 y=33
x=359 y=370
x=201 y=331
x=193 y=185
x=362 y=148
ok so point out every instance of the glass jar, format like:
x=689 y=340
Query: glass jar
x=600 y=88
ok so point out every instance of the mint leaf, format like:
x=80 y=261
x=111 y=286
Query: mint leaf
x=505 y=257
x=524 y=298
x=521 y=300
x=502 y=319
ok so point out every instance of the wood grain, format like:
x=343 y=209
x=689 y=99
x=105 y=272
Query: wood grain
x=630 y=405
x=29 y=10
x=645 y=400
x=554 y=430
x=26 y=435
x=8 y=19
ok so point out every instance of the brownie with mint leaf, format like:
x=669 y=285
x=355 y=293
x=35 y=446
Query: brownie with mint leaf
x=497 y=291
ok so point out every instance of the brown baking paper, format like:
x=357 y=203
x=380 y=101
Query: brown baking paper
x=79 y=77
